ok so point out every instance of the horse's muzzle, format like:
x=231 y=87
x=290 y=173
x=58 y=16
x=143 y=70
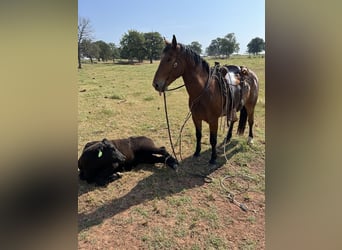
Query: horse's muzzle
x=160 y=87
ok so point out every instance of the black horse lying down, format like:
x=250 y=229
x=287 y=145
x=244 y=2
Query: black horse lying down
x=101 y=160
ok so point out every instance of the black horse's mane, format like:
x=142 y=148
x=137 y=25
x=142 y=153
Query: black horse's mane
x=192 y=55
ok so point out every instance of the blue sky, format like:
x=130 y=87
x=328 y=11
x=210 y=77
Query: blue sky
x=189 y=20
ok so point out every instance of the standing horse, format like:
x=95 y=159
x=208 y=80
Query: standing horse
x=205 y=95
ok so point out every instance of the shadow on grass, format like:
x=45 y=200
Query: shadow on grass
x=162 y=183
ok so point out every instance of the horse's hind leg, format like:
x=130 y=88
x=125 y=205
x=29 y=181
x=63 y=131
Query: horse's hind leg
x=230 y=132
x=250 y=125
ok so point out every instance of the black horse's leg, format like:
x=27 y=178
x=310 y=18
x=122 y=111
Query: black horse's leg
x=167 y=158
x=213 y=141
x=156 y=155
x=198 y=126
x=104 y=176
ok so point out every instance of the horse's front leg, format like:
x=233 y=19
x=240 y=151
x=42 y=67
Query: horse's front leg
x=213 y=141
x=198 y=126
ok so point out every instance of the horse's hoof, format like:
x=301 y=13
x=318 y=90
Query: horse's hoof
x=174 y=166
x=250 y=141
x=227 y=141
x=212 y=162
x=172 y=163
x=119 y=175
x=196 y=155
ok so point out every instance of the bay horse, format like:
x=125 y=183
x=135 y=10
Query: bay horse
x=206 y=100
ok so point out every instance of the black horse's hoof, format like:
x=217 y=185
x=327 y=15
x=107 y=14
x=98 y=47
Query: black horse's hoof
x=175 y=167
x=119 y=175
x=212 y=162
x=172 y=163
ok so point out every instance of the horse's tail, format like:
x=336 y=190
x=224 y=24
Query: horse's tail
x=242 y=121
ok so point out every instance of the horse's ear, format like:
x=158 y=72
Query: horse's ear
x=166 y=41
x=174 y=42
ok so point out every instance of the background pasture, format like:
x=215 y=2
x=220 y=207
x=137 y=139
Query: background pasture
x=153 y=207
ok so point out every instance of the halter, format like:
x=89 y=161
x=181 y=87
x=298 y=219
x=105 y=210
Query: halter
x=174 y=65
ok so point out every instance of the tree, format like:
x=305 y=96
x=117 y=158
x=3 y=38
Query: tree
x=256 y=45
x=84 y=32
x=214 y=48
x=133 y=46
x=154 y=44
x=105 y=52
x=229 y=45
x=114 y=51
x=223 y=46
x=90 y=49
x=196 y=46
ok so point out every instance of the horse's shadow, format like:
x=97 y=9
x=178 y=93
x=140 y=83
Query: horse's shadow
x=163 y=182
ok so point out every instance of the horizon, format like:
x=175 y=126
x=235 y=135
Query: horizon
x=188 y=22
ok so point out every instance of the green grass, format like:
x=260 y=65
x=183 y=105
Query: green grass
x=154 y=207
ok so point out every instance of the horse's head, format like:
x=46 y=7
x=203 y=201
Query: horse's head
x=110 y=152
x=170 y=66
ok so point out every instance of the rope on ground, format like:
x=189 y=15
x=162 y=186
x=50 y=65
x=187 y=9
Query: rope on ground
x=231 y=196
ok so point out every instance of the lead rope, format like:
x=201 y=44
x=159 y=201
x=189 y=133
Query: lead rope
x=176 y=88
x=168 y=127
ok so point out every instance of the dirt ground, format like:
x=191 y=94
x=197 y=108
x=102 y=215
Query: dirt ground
x=154 y=207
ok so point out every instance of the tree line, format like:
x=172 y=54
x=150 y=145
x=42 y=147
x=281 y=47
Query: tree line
x=139 y=46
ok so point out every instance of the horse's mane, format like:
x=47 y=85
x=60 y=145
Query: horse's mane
x=192 y=55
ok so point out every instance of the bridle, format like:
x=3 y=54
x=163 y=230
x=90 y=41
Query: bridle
x=174 y=66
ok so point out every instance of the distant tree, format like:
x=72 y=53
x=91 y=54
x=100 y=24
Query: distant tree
x=223 y=46
x=84 y=32
x=90 y=49
x=154 y=44
x=196 y=46
x=229 y=45
x=214 y=47
x=114 y=51
x=105 y=51
x=133 y=46
x=255 y=46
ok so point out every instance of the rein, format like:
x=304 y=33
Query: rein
x=168 y=126
x=176 y=88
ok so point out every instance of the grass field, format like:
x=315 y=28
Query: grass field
x=154 y=207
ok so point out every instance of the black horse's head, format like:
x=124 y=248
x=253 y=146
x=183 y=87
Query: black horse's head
x=110 y=153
